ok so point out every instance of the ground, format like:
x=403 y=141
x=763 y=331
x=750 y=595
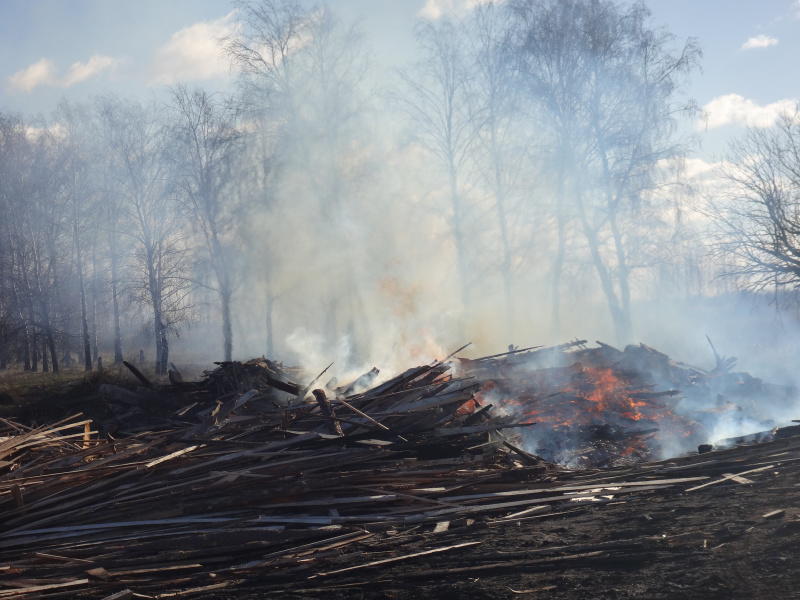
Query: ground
x=709 y=543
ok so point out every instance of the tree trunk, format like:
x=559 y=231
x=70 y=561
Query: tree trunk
x=45 y=363
x=623 y=302
x=164 y=351
x=34 y=351
x=26 y=349
x=622 y=329
x=358 y=324
x=623 y=278
x=51 y=345
x=87 y=348
x=93 y=312
x=48 y=340
x=115 y=293
x=223 y=285
x=227 y=329
x=159 y=335
x=117 y=329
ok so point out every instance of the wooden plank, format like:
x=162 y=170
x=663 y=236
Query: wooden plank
x=508 y=564
x=737 y=478
x=441 y=527
x=125 y=594
x=331 y=542
x=416 y=518
x=525 y=513
x=58 y=558
x=364 y=415
x=123 y=573
x=728 y=478
x=576 y=488
x=196 y=590
x=175 y=454
x=138 y=374
x=42 y=588
x=394 y=559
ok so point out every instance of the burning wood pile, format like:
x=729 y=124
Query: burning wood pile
x=600 y=407
x=248 y=479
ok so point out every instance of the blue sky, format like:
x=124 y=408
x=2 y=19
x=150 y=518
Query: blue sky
x=51 y=49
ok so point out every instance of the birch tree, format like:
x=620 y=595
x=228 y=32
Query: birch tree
x=206 y=146
x=161 y=278
x=436 y=99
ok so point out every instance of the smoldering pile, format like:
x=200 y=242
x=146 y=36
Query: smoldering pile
x=600 y=406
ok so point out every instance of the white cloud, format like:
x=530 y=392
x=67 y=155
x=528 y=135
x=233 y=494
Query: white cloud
x=697 y=167
x=57 y=130
x=42 y=72
x=760 y=41
x=79 y=71
x=692 y=169
x=195 y=52
x=435 y=9
x=735 y=109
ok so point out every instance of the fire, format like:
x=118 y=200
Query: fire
x=593 y=396
x=611 y=393
x=605 y=412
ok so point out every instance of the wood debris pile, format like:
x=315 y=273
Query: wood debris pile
x=600 y=406
x=237 y=489
x=257 y=483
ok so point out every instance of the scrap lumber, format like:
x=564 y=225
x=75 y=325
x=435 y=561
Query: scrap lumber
x=384 y=561
x=138 y=374
x=731 y=477
x=248 y=488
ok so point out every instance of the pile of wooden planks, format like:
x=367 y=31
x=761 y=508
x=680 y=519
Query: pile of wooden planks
x=255 y=482
x=234 y=488
x=136 y=530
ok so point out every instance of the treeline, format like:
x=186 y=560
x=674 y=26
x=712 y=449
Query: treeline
x=528 y=157
x=117 y=207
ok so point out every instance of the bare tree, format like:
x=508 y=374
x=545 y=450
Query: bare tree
x=207 y=144
x=436 y=99
x=161 y=280
x=500 y=154
x=759 y=217
x=611 y=85
x=272 y=33
x=302 y=72
x=81 y=209
x=34 y=238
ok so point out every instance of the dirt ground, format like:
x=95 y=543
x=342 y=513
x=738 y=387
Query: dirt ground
x=710 y=543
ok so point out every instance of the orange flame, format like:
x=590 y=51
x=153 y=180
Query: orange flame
x=581 y=396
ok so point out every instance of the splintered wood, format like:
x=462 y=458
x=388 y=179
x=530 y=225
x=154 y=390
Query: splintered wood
x=256 y=482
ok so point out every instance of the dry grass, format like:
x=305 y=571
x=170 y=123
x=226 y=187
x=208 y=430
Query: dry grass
x=44 y=396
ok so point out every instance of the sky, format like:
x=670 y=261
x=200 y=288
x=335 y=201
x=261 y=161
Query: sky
x=51 y=49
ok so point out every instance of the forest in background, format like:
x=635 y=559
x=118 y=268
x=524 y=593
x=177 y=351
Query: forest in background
x=527 y=180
